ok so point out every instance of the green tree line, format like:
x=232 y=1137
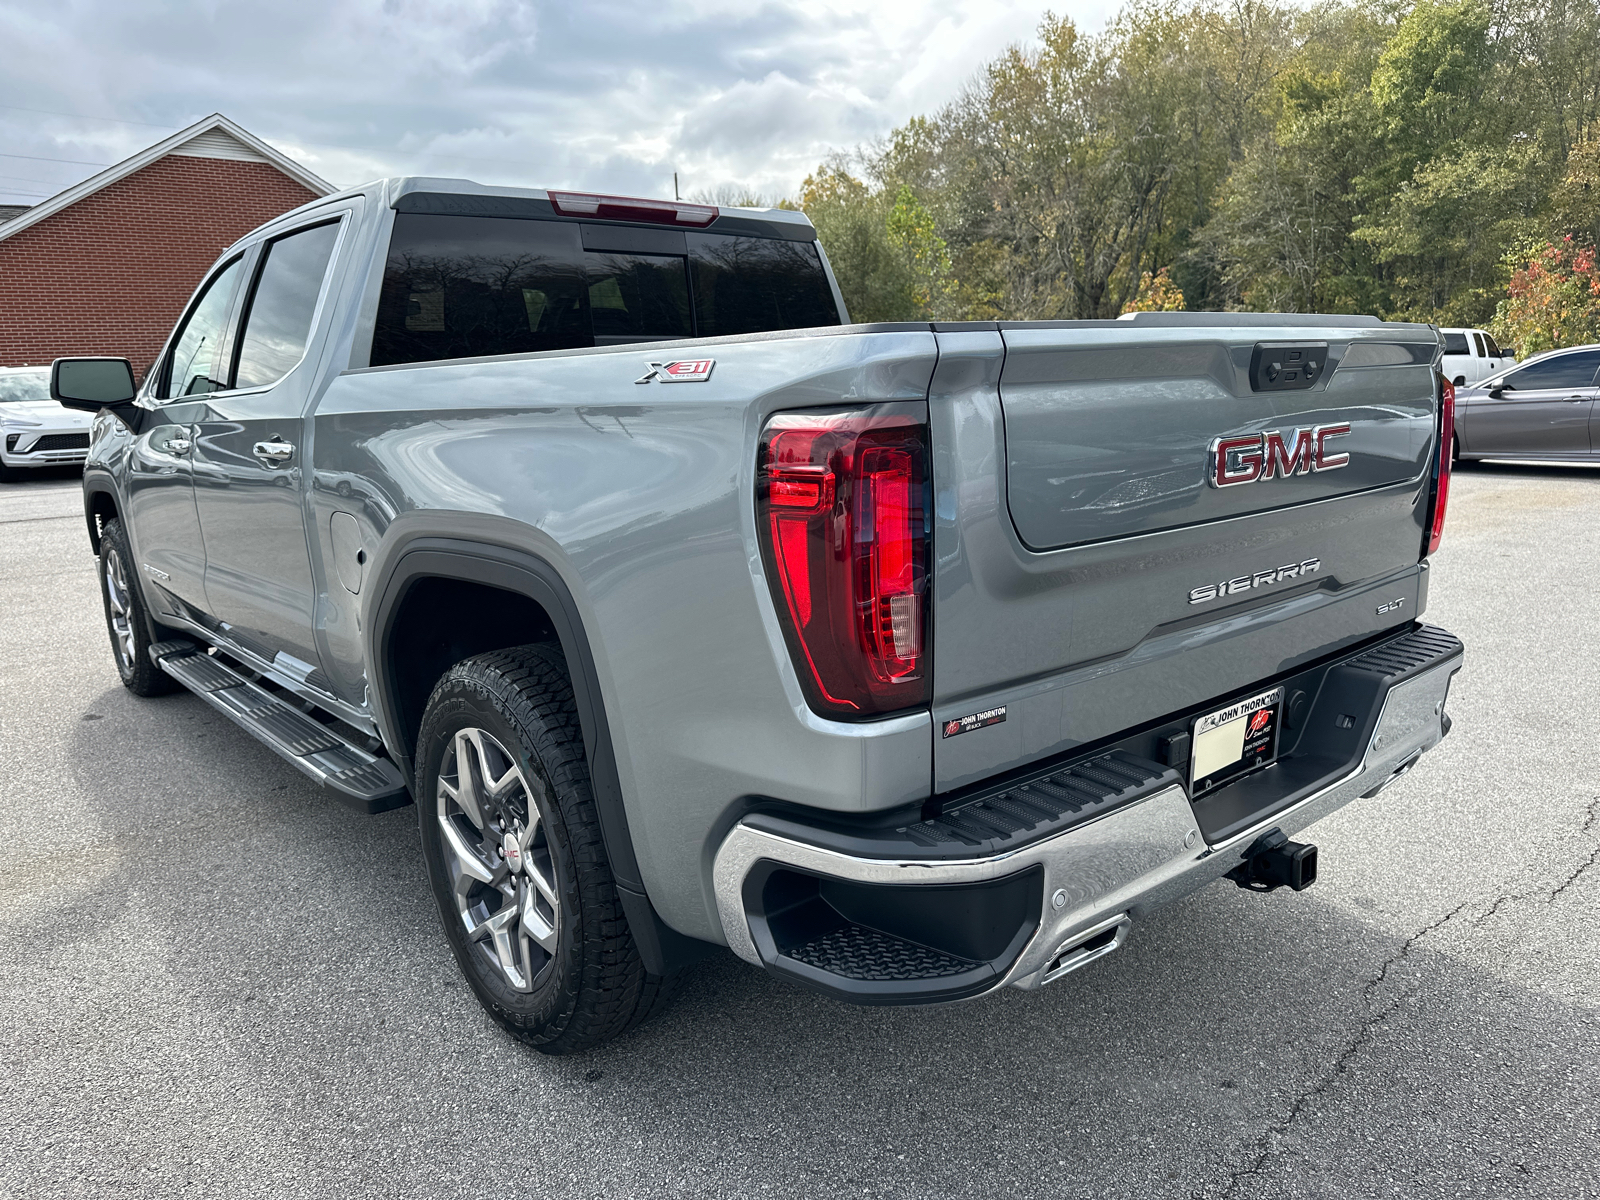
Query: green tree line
x=1435 y=161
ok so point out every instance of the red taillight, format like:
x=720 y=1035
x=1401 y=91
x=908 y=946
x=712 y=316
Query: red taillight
x=627 y=208
x=1441 y=475
x=840 y=505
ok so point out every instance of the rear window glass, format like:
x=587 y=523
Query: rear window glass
x=752 y=285
x=1456 y=343
x=460 y=287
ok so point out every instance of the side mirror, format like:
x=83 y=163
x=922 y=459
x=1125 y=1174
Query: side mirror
x=91 y=384
x=1496 y=392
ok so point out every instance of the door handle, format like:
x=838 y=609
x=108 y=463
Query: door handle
x=178 y=445
x=274 y=452
x=1575 y=399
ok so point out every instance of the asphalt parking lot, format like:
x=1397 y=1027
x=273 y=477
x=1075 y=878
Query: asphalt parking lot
x=215 y=980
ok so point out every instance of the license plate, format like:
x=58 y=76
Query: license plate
x=1234 y=740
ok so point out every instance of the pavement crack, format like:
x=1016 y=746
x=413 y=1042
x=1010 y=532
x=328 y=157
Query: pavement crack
x=1264 y=1145
x=1589 y=827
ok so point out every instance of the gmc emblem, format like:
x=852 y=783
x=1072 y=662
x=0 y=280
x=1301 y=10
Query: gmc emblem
x=1257 y=457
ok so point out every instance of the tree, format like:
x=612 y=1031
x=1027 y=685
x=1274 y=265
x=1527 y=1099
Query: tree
x=874 y=274
x=1157 y=293
x=1553 y=298
x=1352 y=156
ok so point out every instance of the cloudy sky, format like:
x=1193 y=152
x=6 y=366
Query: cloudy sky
x=613 y=96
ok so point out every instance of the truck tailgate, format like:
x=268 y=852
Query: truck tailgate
x=1090 y=547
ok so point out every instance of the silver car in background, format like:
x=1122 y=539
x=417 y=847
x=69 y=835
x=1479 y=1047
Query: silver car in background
x=35 y=431
x=1543 y=409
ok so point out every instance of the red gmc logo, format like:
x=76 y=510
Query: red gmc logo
x=1256 y=457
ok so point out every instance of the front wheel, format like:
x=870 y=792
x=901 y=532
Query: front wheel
x=126 y=620
x=515 y=856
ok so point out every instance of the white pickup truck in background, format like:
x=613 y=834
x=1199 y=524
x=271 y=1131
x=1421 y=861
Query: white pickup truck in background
x=1471 y=355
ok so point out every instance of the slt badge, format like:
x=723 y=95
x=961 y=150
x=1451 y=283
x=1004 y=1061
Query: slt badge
x=688 y=370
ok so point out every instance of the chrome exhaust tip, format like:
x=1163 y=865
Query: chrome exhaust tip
x=1084 y=947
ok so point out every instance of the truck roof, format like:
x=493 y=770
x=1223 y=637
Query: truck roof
x=463 y=197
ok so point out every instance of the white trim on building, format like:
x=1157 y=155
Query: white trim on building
x=214 y=137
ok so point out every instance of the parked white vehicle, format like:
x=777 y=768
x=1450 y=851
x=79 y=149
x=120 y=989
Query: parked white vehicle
x=1471 y=355
x=35 y=431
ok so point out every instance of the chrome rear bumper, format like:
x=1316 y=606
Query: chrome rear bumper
x=1120 y=866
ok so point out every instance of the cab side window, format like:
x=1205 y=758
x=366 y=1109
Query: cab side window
x=192 y=363
x=1477 y=339
x=1456 y=343
x=277 y=320
x=1561 y=371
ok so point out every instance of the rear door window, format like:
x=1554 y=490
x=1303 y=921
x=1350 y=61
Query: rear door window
x=1456 y=343
x=461 y=287
x=1478 y=340
x=1560 y=371
x=278 y=317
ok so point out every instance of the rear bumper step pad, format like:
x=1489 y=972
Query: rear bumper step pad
x=365 y=781
x=1028 y=881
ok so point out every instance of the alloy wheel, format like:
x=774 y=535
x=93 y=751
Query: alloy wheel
x=497 y=851
x=121 y=608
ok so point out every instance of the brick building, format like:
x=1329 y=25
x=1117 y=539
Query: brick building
x=105 y=267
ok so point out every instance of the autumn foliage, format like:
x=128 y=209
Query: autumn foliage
x=1553 y=298
x=1157 y=293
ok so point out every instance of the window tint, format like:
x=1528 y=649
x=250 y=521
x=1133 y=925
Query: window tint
x=1492 y=346
x=752 y=285
x=1560 y=371
x=636 y=297
x=278 y=320
x=1456 y=343
x=457 y=287
x=19 y=386
x=194 y=350
x=1477 y=339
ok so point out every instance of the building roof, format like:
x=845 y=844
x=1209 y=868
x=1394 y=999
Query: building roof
x=213 y=137
x=7 y=211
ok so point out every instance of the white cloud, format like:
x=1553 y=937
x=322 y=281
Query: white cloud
x=612 y=96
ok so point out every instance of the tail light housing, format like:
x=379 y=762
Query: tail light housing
x=1439 y=493
x=842 y=509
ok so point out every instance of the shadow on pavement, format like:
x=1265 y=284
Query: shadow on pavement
x=297 y=948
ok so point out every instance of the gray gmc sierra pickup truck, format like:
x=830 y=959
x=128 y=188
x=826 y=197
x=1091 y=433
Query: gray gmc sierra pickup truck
x=907 y=661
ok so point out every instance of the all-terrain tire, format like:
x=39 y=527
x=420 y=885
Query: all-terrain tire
x=130 y=627
x=593 y=986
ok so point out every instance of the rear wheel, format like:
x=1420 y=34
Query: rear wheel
x=515 y=856
x=126 y=620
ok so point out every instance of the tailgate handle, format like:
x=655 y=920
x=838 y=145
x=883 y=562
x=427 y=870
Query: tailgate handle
x=1287 y=366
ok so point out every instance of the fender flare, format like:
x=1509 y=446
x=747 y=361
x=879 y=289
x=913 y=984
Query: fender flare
x=97 y=482
x=483 y=556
